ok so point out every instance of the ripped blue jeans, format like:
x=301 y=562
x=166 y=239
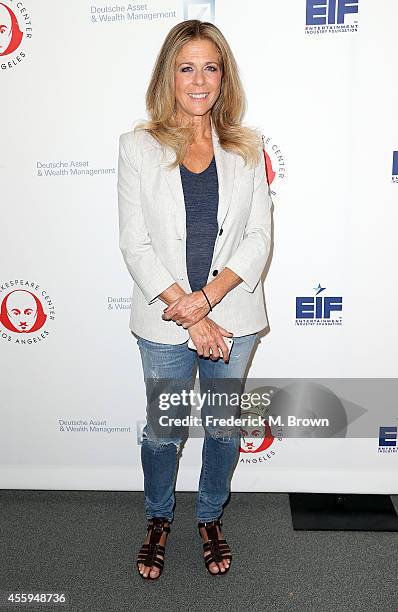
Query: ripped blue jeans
x=170 y=369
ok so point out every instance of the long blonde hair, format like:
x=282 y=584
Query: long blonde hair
x=227 y=112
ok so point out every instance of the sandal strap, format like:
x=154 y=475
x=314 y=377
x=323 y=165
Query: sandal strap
x=158 y=523
x=218 y=548
x=217 y=522
x=149 y=556
x=145 y=547
x=152 y=553
x=223 y=548
x=211 y=559
x=158 y=562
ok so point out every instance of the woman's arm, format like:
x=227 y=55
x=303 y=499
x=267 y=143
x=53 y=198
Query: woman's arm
x=244 y=267
x=221 y=285
x=145 y=267
x=249 y=259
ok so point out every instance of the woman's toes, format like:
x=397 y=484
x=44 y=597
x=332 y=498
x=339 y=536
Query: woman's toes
x=145 y=570
x=154 y=573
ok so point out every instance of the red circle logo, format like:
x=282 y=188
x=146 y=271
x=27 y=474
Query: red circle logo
x=10 y=32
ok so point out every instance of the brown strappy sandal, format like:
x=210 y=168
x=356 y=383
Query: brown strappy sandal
x=152 y=554
x=215 y=549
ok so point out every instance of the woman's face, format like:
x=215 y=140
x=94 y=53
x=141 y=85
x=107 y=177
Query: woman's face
x=197 y=71
x=5 y=28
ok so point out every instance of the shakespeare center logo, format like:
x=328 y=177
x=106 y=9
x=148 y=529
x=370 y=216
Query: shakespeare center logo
x=318 y=309
x=15 y=33
x=275 y=166
x=27 y=312
x=260 y=433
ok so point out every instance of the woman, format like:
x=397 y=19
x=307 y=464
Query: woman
x=194 y=219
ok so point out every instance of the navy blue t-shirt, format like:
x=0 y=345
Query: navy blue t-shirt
x=201 y=205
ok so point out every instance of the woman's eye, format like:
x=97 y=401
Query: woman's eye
x=211 y=68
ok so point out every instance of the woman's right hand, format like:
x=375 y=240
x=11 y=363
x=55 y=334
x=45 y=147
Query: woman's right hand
x=206 y=335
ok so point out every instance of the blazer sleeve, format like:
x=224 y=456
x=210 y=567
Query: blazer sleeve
x=142 y=262
x=250 y=257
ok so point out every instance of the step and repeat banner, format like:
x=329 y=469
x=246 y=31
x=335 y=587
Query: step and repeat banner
x=321 y=84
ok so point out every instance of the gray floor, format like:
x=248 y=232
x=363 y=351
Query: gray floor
x=85 y=543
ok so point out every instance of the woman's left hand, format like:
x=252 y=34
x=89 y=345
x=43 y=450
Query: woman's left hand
x=187 y=310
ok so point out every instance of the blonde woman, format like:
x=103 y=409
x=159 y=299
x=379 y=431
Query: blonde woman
x=195 y=225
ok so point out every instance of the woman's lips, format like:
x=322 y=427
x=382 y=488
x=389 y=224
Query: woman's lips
x=198 y=96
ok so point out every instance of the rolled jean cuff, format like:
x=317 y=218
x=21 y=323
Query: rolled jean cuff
x=165 y=516
x=207 y=520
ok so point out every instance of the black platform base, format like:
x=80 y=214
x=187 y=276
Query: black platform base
x=343 y=512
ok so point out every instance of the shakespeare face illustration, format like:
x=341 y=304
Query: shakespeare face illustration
x=10 y=34
x=256 y=435
x=21 y=310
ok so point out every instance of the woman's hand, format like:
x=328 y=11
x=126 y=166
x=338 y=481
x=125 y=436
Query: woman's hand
x=187 y=309
x=208 y=335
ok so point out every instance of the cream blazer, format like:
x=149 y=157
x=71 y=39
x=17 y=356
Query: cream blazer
x=152 y=231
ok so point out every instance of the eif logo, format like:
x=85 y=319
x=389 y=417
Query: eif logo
x=324 y=16
x=318 y=309
x=197 y=9
x=388 y=439
x=395 y=167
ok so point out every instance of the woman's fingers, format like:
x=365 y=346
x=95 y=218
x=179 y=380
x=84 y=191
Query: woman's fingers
x=225 y=332
x=215 y=353
x=215 y=344
x=202 y=351
x=184 y=316
x=224 y=349
x=211 y=342
x=221 y=346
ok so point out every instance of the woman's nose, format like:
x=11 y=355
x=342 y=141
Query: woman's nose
x=199 y=77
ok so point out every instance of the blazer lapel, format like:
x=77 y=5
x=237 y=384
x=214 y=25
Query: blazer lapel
x=225 y=163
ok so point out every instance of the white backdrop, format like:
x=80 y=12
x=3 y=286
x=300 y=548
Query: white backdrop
x=323 y=93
